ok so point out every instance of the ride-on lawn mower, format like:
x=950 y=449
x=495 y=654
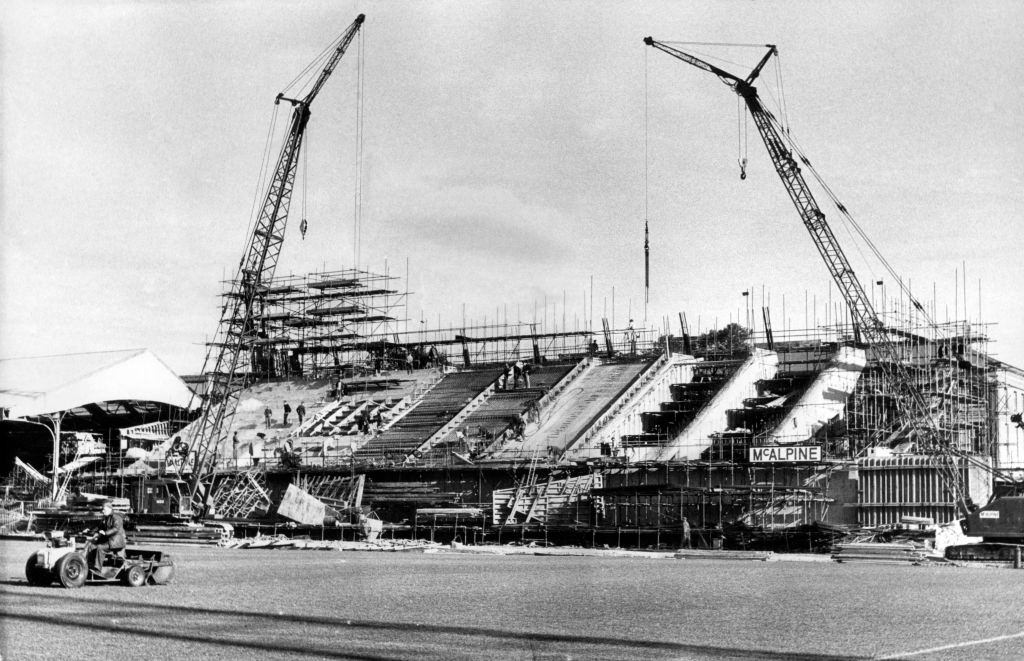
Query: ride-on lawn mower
x=63 y=560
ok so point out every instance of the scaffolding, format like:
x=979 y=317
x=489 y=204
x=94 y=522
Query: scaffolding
x=322 y=323
x=949 y=363
x=950 y=367
x=348 y=323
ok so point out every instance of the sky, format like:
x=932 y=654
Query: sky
x=511 y=153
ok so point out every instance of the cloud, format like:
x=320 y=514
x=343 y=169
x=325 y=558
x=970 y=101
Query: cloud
x=487 y=237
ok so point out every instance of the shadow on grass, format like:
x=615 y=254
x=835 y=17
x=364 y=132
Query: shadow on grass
x=99 y=613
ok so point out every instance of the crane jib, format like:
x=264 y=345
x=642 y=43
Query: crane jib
x=231 y=352
x=866 y=322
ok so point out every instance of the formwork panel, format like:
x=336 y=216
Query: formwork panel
x=890 y=488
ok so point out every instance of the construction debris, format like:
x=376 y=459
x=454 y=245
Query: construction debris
x=338 y=492
x=888 y=554
x=281 y=542
x=718 y=554
x=301 y=507
x=241 y=495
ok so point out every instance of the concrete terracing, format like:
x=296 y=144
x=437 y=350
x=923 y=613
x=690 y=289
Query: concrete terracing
x=824 y=399
x=249 y=420
x=573 y=411
x=696 y=436
x=501 y=411
x=624 y=417
x=442 y=403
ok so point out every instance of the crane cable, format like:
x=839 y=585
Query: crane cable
x=261 y=181
x=845 y=214
x=848 y=220
x=783 y=105
x=741 y=137
x=358 y=193
x=646 y=127
x=314 y=65
x=784 y=130
x=305 y=182
x=712 y=43
x=647 y=249
x=709 y=56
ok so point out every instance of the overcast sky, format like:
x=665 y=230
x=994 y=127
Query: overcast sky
x=504 y=160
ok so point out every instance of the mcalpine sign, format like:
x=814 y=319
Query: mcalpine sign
x=785 y=453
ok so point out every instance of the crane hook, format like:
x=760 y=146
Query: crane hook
x=743 y=168
x=302 y=228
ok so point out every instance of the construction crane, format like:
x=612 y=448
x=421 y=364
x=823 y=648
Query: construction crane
x=229 y=358
x=869 y=327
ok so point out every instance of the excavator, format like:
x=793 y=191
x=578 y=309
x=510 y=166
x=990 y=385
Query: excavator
x=1001 y=520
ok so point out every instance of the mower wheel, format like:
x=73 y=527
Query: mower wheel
x=37 y=576
x=71 y=570
x=134 y=576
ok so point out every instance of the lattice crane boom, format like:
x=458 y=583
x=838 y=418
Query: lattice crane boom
x=909 y=399
x=229 y=358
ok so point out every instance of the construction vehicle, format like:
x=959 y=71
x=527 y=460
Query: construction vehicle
x=66 y=561
x=235 y=350
x=918 y=421
x=158 y=497
x=1000 y=524
x=1001 y=521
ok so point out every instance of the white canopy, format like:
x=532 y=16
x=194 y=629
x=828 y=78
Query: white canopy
x=48 y=384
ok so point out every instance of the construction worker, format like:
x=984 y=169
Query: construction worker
x=110 y=536
x=254 y=460
x=179 y=448
x=300 y=411
x=287 y=411
x=631 y=338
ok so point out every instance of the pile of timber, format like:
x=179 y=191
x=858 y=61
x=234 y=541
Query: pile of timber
x=417 y=492
x=185 y=533
x=283 y=543
x=719 y=554
x=889 y=554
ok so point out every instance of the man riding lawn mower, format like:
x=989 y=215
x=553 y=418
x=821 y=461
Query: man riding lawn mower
x=63 y=561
